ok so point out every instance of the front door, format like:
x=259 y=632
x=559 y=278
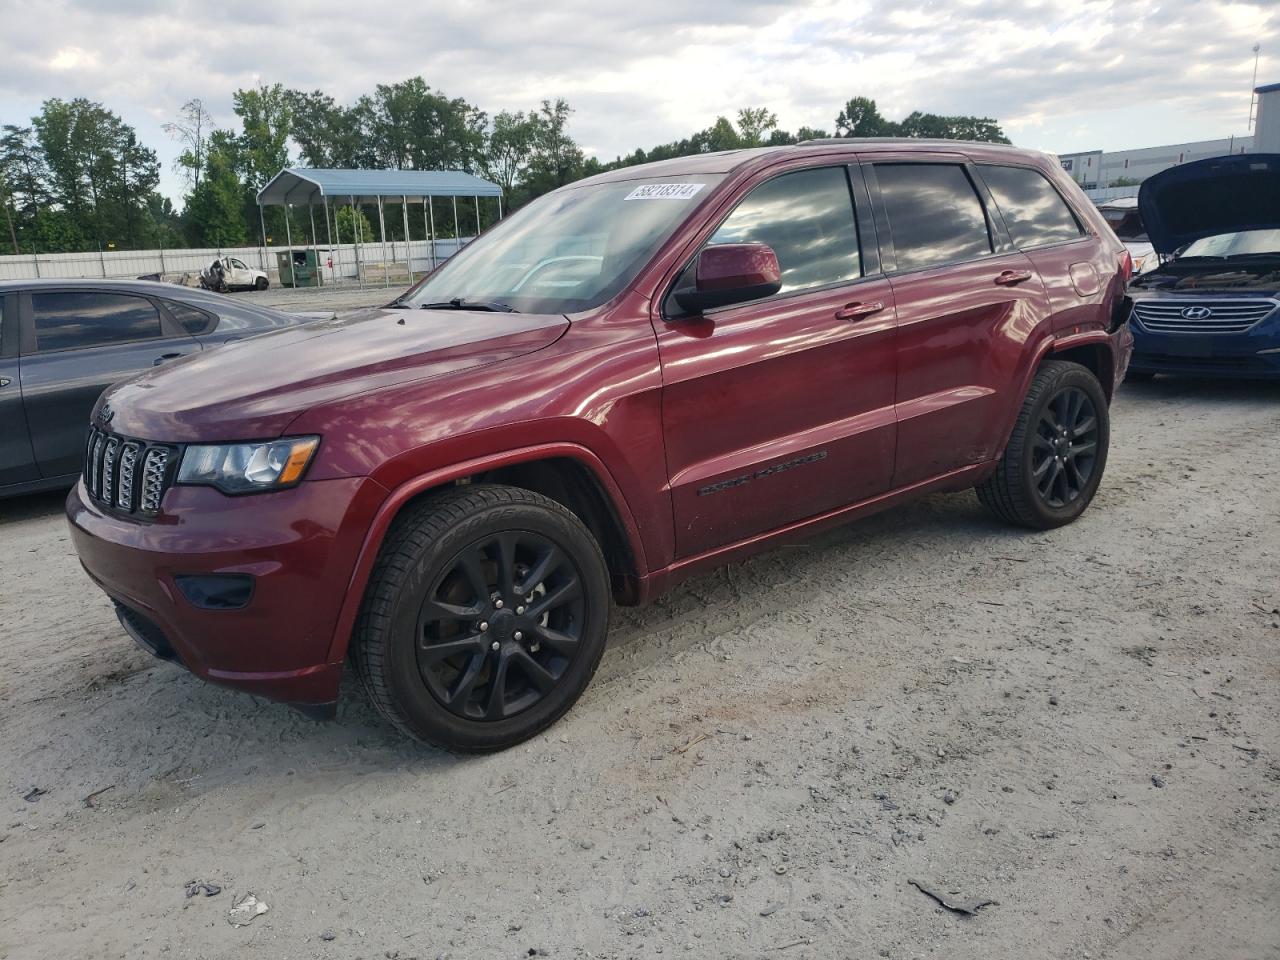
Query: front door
x=967 y=303
x=17 y=462
x=782 y=408
x=77 y=344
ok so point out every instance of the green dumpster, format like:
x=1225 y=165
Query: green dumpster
x=299 y=269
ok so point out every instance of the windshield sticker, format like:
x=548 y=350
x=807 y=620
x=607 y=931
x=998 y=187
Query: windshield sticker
x=665 y=191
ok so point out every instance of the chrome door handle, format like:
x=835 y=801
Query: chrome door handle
x=856 y=311
x=5 y=381
x=1010 y=277
x=163 y=357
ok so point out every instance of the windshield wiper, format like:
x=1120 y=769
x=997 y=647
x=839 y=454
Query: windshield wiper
x=457 y=303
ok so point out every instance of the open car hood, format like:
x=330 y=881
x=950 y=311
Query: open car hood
x=1208 y=197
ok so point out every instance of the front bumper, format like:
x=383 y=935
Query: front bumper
x=1251 y=354
x=299 y=546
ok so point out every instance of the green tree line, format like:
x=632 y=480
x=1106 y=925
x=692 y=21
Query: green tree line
x=76 y=178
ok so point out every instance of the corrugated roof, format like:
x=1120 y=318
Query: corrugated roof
x=308 y=185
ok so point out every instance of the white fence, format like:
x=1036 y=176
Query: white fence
x=369 y=263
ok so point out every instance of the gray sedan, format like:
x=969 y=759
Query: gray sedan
x=62 y=342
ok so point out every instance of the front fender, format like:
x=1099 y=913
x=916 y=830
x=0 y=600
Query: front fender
x=411 y=488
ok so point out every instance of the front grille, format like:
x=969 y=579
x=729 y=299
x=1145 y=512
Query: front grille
x=127 y=474
x=1222 y=316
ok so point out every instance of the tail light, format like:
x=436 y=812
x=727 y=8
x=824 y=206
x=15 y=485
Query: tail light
x=1126 y=265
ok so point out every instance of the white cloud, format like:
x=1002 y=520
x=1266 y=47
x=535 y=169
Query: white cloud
x=1094 y=73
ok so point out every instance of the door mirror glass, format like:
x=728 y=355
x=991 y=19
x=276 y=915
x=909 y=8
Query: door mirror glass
x=731 y=273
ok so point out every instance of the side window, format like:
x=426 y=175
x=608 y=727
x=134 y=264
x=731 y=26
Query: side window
x=935 y=215
x=807 y=218
x=192 y=320
x=1033 y=210
x=67 y=320
x=236 y=264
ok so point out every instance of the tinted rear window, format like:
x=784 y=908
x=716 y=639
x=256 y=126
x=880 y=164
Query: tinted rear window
x=67 y=320
x=1033 y=210
x=935 y=216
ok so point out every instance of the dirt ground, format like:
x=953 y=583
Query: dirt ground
x=1082 y=726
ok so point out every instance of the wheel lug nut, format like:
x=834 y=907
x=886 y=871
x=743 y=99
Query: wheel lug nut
x=519 y=609
x=484 y=625
x=495 y=645
x=518 y=635
x=534 y=648
x=497 y=604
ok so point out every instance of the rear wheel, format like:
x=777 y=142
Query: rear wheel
x=485 y=617
x=1057 y=452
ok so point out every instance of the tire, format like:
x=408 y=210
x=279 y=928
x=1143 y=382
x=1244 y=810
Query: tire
x=425 y=597
x=260 y=283
x=1039 y=453
x=1139 y=376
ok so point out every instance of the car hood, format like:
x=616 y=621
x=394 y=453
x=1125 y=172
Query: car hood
x=1208 y=197
x=253 y=389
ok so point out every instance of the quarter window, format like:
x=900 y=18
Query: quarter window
x=67 y=320
x=1033 y=210
x=935 y=216
x=193 y=321
x=807 y=218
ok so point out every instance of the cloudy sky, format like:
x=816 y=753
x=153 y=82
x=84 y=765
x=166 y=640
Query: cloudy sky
x=1062 y=76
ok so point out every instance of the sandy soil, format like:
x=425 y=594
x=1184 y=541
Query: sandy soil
x=1081 y=726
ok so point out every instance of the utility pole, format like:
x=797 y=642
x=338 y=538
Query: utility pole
x=1253 y=97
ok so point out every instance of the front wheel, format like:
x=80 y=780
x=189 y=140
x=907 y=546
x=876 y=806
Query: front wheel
x=1057 y=452
x=260 y=283
x=485 y=617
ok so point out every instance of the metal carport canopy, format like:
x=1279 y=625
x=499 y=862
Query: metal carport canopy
x=309 y=185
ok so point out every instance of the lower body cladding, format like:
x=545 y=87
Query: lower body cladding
x=244 y=592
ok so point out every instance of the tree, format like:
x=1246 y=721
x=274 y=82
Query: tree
x=507 y=153
x=861 y=118
x=409 y=126
x=555 y=159
x=99 y=175
x=753 y=123
x=215 y=209
x=327 y=134
x=23 y=178
x=192 y=130
x=350 y=226
x=264 y=139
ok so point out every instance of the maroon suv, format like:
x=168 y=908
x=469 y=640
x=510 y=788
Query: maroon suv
x=634 y=378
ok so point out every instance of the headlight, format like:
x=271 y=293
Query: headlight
x=248 y=467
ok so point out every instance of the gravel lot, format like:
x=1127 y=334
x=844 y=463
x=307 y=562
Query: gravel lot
x=1081 y=726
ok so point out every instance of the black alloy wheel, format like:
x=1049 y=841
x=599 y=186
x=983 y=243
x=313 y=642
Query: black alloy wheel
x=500 y=626
x=1056 y=452
x=484 y=619
x=1065 y=449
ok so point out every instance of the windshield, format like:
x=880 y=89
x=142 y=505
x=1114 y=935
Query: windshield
x=1235 y=244
x=566 y=251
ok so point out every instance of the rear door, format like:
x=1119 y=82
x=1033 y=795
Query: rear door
x=17 y=461
x=1072 y=263
x=782 y=408
x=967 y=302
x=76 y=343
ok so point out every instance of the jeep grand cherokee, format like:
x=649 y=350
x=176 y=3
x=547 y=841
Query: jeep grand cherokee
x=634 y=378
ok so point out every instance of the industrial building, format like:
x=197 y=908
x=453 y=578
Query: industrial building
x=1106 y=175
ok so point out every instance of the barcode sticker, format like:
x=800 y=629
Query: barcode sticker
x=665 y=191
